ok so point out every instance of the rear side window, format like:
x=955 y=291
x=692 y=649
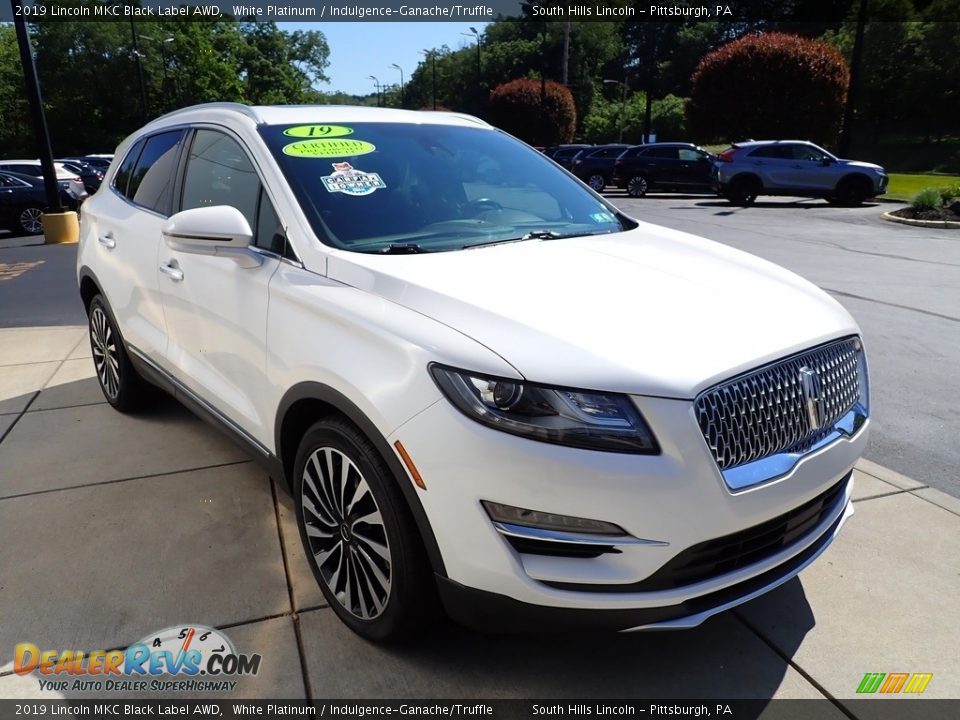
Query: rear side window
x=667 y=153
x=122 y=179
x=779 y=152
x=151 y=184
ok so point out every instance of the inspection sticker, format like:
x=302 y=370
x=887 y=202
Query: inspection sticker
x=318 y=131
x=347 y=179
x=328 y=148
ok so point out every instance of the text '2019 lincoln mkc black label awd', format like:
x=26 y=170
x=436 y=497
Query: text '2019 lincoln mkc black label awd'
x=488 y=390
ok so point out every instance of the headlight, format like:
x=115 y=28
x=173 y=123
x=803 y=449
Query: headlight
x=577 y=418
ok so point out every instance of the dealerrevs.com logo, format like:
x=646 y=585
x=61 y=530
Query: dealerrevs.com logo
x=182 y=658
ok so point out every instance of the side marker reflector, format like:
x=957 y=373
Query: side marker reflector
x=414 y=473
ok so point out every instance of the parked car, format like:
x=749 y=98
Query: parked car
x=101 y=162
x=506 y=394
x=794 y=167
x=679 y=167
x=23 y=200
x=70 y=180
x=563 y=155
x=90 y=176
x=595 y=165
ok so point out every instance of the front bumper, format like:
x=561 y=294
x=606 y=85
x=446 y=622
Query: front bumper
x=676 y=500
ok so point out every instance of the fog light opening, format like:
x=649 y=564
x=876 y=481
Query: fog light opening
x=511 y=515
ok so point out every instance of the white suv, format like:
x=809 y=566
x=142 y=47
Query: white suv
x=483 y=383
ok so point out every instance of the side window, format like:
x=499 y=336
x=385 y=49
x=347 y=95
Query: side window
x=776 y=152
x=220 y=173
x=151 y=184
x=805 y=152
x=688 y=155
x=666 y=153
x=269 y=233
x=122 y=178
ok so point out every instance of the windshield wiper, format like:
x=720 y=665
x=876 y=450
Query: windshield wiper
x=543 y=235
x=402 y=249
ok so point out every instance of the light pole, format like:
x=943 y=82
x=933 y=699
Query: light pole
x=137 y=57
x=377 y=83
x=623 y=102
x=431 y=55
x=163 y=57
x=476 y=36
x=38 y=116
x=397 y=67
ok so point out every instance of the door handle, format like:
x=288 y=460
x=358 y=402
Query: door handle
x=175 y=274
x=107 y=241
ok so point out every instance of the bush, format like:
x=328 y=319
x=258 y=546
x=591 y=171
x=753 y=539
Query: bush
x=519 y=108
x=949 y=193
x=770 y=85
x=927 y=199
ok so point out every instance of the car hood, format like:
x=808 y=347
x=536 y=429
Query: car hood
x=650 y=311
x=861 y=164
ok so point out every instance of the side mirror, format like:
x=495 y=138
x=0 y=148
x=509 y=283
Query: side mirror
x=219 y=230
x=827 y=161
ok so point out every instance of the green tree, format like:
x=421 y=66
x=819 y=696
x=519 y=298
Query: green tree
x=16 y=138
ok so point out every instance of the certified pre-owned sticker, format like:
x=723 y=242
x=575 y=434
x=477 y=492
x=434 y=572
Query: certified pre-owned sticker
x=328 y=148
x=318 y=131
x=350 y=181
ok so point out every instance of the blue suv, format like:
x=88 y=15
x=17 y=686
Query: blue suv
x=794 y=167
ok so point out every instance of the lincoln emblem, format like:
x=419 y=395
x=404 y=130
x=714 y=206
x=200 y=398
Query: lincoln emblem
x=810 y=384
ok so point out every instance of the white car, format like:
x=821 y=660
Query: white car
x=482 y=382
x=69 y=181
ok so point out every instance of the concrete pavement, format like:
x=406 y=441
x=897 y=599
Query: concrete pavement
x=112 y=527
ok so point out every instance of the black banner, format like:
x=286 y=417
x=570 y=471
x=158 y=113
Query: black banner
x=880 y=708
x=323 y=11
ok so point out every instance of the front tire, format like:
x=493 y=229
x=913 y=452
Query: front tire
x=358 y=534
x=123 y=388
x=851 y=192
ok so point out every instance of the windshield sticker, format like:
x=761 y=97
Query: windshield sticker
x=350 y=181
x=602 y=217
x=318 y=131
x=328 y=148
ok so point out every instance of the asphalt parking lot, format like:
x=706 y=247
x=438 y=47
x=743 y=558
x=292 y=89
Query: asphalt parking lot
x=112 y=527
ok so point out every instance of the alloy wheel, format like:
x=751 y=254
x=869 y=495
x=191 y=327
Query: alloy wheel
x=345 y=533
x=31 y=220
x=597 y=183
x=637 y=187
x=104 y=349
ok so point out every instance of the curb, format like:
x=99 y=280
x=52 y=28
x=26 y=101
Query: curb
x=21 y=241
x=949 y=224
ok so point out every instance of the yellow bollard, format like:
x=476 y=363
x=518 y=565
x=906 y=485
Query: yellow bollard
x=62 y=227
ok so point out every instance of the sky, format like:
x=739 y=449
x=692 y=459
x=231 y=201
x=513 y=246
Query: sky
x=359 y=49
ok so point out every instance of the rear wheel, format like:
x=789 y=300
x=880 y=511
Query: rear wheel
x=30 y=220
x=358 y=535
x=637 y=186
x=743 y=191
x=597 y=182
x=123 y=388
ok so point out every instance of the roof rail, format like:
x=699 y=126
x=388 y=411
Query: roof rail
x=236 y=107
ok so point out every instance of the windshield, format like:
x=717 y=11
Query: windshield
x=392 y=187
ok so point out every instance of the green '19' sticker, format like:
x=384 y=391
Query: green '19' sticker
x=318 y=131
x=328 y=148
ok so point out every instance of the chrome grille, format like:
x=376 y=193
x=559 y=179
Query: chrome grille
x=765 y=412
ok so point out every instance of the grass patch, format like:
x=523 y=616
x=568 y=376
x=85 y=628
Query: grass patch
x=905 y=187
